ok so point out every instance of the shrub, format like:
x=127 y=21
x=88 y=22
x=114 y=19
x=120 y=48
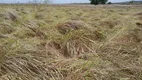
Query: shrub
x=109 y=3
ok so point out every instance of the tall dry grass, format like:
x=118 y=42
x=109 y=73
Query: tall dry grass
x=70 y=42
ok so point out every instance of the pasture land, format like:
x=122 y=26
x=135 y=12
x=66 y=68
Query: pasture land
x=70 y=42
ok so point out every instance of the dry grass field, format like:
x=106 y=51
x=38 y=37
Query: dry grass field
x=61 y=42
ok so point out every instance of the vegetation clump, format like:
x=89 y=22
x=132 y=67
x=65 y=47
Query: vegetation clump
x=70 y=26
x=6 y=29
x=109 y=3
x=96 y=2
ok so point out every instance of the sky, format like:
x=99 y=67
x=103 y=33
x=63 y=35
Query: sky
x=56 y=1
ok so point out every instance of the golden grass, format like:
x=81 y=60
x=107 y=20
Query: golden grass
x=73 y=42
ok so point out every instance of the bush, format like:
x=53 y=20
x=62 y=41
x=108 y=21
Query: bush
x=131 y=2
x=109 y=3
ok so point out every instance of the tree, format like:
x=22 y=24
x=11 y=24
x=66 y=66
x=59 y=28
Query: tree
x=103 y=1
x=131 y=2
x=37 y=4
x=96 y=2
x=46 y=1
x=109 y=3
x=92 y=1
x=40 y=1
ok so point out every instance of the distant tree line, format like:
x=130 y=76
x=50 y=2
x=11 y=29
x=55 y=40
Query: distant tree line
x=41 y=1
x=96 y=2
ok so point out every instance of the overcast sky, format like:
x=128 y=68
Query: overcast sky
x=56 y=1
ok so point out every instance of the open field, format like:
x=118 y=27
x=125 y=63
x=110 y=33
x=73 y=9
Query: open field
x=61 y=42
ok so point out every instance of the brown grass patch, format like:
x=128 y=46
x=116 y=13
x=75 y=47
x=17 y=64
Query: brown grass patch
x=71 y=25
x=6 y=29
x=11 y=15
x=79 y=42
x=108 y=24
x=139 y=24
x=26 y=67
x=133 y=35
x=140 y=17
x=140 y=13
